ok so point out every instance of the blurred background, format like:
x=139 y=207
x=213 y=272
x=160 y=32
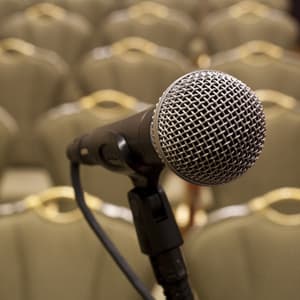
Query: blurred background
x=67 y=66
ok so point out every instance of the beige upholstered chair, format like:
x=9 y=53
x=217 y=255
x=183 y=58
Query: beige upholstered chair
x=279 y=163
x=194 y=8
x=32 y=80
x=60 y=126
x=262 y=66
x=250 y=257
x=8 y=131
x=51 y=27
x=93 y=10
x=246 y=21
x=134 y=66
x=156 y=23
x=47 y=254
x=219 y=4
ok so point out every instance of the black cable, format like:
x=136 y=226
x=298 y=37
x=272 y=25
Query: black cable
x=102 y=236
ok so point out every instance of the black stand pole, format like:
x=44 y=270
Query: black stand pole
x=160 y=239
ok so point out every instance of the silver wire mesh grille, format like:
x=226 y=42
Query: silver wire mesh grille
x=208 y=127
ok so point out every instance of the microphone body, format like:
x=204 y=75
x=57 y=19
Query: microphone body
x=99 y=146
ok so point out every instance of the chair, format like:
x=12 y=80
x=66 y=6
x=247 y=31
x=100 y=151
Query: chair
x=156 y=23
x=220 y=4
x=32 y=81
x=249 y=257
x=134 y=66
x=93 y=10
x=246 y=21
x=278 y=165
x=49 y=254
x=61 y=125
x=51 y=27
x=8 y=131
x=193 y=8
x=261 y=65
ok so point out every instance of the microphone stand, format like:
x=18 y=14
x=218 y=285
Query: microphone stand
x=158 y=233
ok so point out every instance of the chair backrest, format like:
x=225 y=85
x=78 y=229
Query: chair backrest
x=93 y=10
x=56 y=130
x=262 y=65
x=246 y=21
x=51 y=27
x=8 y=131
x=193 y=8
x=48 y=257
x=277 y=165
x=32 y=81
x=152 y=21
x=134 y=66
x=219 y=4
x=249 y=257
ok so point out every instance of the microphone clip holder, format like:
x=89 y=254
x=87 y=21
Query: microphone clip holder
x=158 y=233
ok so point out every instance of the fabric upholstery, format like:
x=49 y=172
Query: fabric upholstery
x=47 y=260
x=159 y=29
x=277 y=166
x=31 y=84
x=244 y=258
x=8 y=7
x=142 y=75
x=226 y=29
x=8 y=131
x=262 y=71
x=58 y=128
x=69 y=35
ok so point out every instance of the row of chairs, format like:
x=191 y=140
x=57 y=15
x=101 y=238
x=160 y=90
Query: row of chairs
x=44 y=244
x=71 y=35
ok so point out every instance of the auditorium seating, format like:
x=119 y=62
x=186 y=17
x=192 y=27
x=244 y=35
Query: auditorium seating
x=246 y=21
x=51 y=27
x=54 y=255
x=21 y=66
x=194 y=8
x=277 y=165
x=219 y=4
x=249 y=257
x=93 y=10
x=133 y=66
x=261 y=65
x=59 y=127
x=156 y=23
x=8 y=131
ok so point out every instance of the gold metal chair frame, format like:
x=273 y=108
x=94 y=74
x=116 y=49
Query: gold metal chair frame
x=97 y=100
x=277 y=98
x=134 y=44
x=263 y=205
x=45 y=204
x=141 y=9
x=43 y=10
x=244 y=8
x=18 y=46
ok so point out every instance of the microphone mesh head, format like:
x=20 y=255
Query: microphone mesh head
x=208 y=127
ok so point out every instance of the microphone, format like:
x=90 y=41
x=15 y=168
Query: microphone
x=208 y=127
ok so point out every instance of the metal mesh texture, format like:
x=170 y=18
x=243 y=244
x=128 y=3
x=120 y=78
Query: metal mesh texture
x=208 y=127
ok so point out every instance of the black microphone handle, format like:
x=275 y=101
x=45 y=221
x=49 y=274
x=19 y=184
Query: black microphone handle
x=99 y=146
